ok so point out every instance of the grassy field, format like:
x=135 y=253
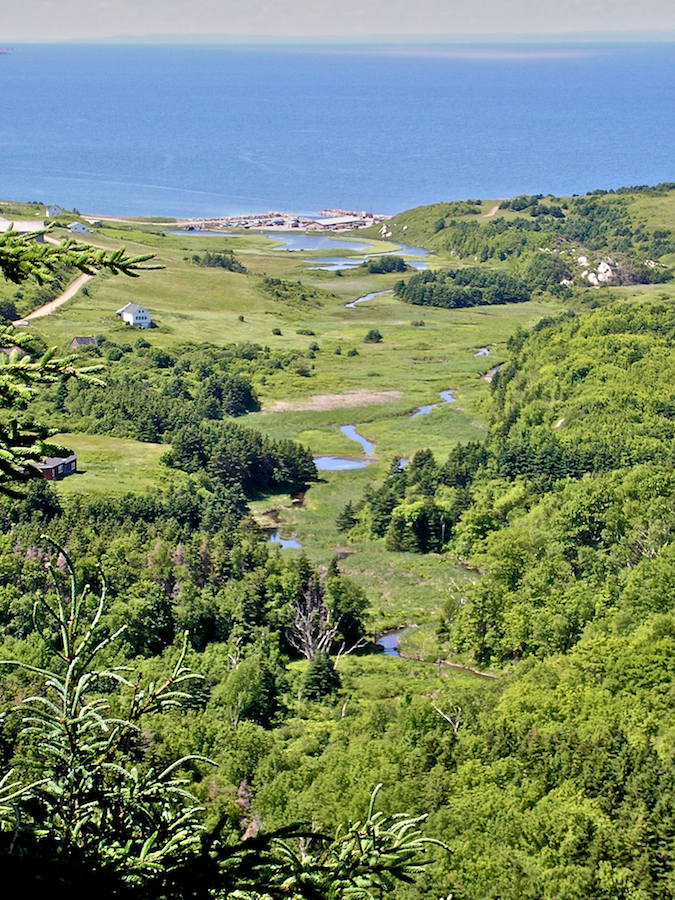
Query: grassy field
x=411 y=364
x=108 y=465
x=191 y=303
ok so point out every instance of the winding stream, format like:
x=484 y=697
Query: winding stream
x=353 y=435
x=365 y=297
x=446 y=397
x=389 y=643
x=339 y=463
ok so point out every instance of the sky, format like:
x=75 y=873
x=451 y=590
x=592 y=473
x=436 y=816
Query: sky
x=331 y=20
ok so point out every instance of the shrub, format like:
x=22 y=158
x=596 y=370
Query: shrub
x=321 y=678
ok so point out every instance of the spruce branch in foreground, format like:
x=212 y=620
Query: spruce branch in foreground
x=100 y=824
x=22 y=258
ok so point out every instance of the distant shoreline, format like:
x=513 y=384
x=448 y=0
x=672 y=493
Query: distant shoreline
x=334 y=220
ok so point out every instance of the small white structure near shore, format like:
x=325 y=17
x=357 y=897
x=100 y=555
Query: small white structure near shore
x=78 y=228
x=53 y=210
x=135 y=315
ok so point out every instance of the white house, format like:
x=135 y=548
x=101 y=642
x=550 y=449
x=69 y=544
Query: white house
x=78 y=228
x=53 y=210
x=133 y=314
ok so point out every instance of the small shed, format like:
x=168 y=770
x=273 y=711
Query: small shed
x=35 y=227
x=12 y=353
x=87 y=341
x=136 y=315
x=77 y=228
x=55 y=467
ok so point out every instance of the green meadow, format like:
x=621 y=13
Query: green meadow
x=411 y=364
x=108 y=465
x=529 y=577
x=286 y=303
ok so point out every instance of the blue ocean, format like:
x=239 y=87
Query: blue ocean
x=215 y=130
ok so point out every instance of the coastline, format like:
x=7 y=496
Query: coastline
x=339 y=220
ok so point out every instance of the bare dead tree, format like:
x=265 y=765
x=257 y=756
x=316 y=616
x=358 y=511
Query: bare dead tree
x=313 y=628
x=456 y=713
x=234 y=711
x=234 y=658
x=345 y=651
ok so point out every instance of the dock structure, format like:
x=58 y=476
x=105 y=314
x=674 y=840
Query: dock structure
x=327 y=220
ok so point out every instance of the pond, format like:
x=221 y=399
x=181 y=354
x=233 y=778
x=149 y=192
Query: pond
x=300 y=241
x=406 y=250
x=333 y=263
x=345 y=263
x=446 y=397
x=339 y=463
x=291 y=543
x=297 y=242
x=389 y=642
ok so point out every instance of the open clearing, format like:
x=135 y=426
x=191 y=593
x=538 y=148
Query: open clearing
x=325 y=402
x=108 y=465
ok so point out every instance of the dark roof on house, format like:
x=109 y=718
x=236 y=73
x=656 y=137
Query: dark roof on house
x=89 y=341
x=9 y=350
x=50 y=461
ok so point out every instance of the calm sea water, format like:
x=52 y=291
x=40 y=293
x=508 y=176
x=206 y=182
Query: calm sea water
x=181 y=130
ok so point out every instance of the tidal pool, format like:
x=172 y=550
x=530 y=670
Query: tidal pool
x=295 y=242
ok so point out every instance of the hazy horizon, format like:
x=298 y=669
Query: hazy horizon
x=333 y=21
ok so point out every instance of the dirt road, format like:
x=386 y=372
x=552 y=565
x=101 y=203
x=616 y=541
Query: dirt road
x=48 y=308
